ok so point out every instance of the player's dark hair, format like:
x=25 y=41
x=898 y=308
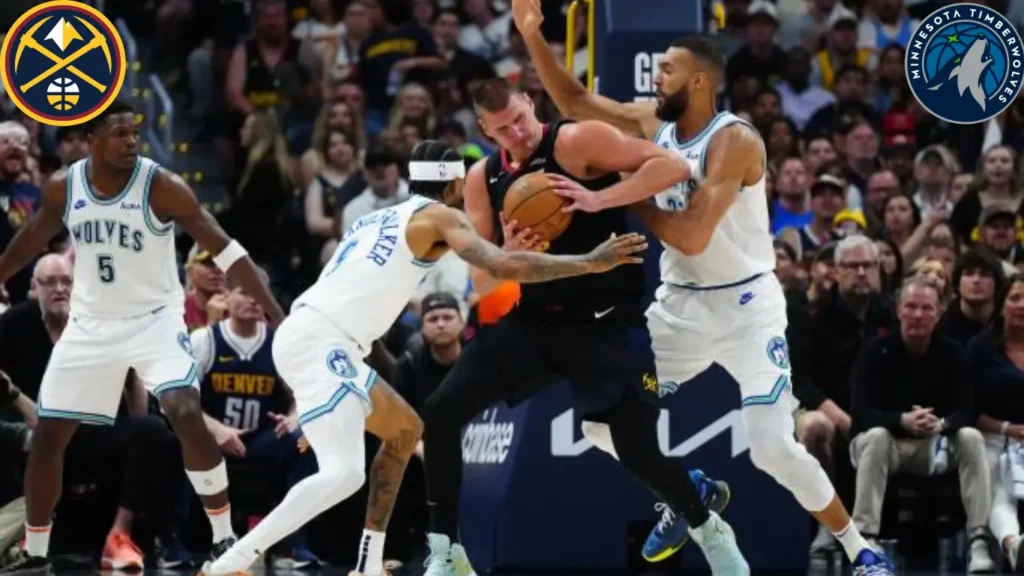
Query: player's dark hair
x=492 y=95
x=432 y=151
x=116 y=107
x=703 y=50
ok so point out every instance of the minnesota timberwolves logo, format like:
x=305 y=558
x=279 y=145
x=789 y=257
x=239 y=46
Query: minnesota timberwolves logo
x=964 y=63
x=338 y=362
x=186 y=343
x=778 y=352
x=62 y=63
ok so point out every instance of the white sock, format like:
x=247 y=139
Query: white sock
x=1010 y=546
x=37 y=540
x=220 y=521
x=851 y=540
x=371 y=553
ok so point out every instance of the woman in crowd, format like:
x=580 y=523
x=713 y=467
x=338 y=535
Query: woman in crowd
x=996 y=183
x=995 y=364
x=338 y=181
x=334 y=115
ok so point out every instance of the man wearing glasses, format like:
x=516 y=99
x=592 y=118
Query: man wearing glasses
x=131 y=451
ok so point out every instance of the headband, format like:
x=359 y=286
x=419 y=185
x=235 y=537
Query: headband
x=436 y=171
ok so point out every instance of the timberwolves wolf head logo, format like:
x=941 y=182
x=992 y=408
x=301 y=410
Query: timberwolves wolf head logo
x=186 y=343
x=964 y=63
x=338 y=362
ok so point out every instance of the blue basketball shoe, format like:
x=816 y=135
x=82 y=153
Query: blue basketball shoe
x=672 y=533
x=871 y=563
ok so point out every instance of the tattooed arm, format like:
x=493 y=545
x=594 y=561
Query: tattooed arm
x=522 y=266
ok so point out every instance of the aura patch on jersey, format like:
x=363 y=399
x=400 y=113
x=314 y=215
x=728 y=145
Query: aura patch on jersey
x=62 y=63
x=964 y=62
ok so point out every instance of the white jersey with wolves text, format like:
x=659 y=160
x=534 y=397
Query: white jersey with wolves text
x=125 y=262
x=741 y=246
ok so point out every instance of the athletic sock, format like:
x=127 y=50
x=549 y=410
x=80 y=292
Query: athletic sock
x=371 y=553
x=37 y=540
x=220 y=522
x=851 y=540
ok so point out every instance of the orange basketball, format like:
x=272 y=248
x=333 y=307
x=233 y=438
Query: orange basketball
x=531 y=202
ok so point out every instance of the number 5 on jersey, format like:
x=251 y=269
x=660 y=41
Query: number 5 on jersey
x=105 y=264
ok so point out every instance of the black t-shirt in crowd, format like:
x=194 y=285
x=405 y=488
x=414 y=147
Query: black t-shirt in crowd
x=998 y=382
x=418 y=374
x=25 y=346
x=379 y=53
x=955 y=325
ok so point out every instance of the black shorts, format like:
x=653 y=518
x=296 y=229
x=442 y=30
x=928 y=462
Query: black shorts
x=604 y=362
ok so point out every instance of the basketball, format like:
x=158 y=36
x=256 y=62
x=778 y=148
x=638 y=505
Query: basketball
x=532 y=203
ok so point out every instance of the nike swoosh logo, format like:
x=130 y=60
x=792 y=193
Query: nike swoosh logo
x=598 y=315
x=492 y=180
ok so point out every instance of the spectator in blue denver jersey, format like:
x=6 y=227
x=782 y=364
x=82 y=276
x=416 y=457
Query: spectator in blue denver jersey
x=247 y=406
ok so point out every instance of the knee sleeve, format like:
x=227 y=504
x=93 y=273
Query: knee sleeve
x=600 y=435
x=774 y=450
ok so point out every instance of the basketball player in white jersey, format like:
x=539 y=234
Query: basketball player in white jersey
x=126 y=312
x=318 y=350
x=719 y=300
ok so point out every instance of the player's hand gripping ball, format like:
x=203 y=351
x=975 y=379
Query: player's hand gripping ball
x=532 y=203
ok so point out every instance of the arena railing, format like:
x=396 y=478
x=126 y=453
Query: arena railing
x=570 y=44
x=161 y=135
x=131 y=52
x=158 y=107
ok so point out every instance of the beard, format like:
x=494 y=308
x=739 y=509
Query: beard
x=673 y=106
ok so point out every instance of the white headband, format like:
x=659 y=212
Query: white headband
x=436 y=171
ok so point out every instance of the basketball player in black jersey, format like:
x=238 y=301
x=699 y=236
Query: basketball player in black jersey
x=576 y=328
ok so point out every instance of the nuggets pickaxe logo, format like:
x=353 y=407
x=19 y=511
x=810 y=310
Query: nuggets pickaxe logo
x=62 y=63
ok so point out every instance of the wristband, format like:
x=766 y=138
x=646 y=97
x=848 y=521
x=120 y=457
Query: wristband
x=1004 y=427
x=229 y=255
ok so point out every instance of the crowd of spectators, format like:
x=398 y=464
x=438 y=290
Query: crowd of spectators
x=898 y=239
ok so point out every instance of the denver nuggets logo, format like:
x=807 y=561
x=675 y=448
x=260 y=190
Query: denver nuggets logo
x=778 y=352
x=650 y=383
x=62 y=63
x=338 y=363
x=964 y=63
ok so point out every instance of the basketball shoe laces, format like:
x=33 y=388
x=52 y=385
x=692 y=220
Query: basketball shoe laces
x=668 y=517
x=874 y=570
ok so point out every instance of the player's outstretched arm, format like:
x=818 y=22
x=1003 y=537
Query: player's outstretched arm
x=172 y=199
x=735 y=155
x=605 y=149
x=455 y=229
x=41 y=227
x=572 y=97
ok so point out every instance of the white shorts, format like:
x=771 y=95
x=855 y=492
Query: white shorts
x=321 y=365
x=86 y=373
x=742 y=328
